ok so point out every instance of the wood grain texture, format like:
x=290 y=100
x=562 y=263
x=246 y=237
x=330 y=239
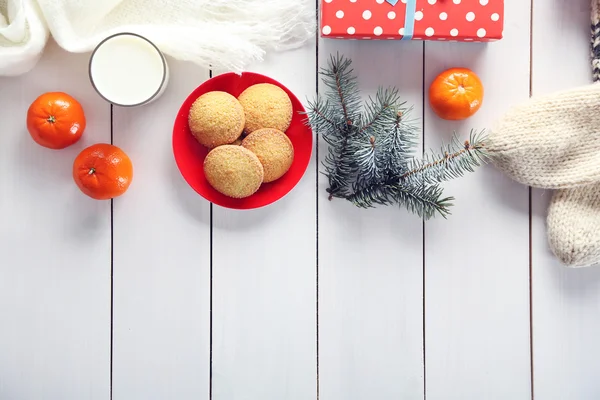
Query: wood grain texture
x=55 y=247
x=370 y=261
x=477 y=261
x=161 y=250
x=374 y=270
x=566 y=302
x=264 y=278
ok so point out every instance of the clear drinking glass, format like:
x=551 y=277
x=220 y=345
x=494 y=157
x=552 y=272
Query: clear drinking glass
x=128 y=70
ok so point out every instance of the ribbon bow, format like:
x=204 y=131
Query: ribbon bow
x=409 y=21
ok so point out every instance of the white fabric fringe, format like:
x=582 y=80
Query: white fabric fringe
x=224 y=34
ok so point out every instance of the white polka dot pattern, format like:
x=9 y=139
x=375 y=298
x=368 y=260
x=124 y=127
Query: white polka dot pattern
x=451 y=20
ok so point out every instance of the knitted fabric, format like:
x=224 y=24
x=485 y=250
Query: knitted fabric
x=574 y=225
x=574 y=214
x=227 y=35
x=552 y=141
x=595 y=42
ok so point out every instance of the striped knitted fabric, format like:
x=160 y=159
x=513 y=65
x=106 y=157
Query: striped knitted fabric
x=553 y=142
x=595 y=44
x=574 y=214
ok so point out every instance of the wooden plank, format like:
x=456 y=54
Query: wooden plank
x=477 y=276
x=161 y=258
x=55 y=247
x=370 y=261
x=565 y=302
x=264 y=278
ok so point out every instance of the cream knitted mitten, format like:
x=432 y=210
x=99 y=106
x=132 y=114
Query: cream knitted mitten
x=574 y=225
x=551 y=141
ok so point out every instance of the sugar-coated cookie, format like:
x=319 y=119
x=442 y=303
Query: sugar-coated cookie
x=274 y=150
x=216 y=118
x=233 y=171
x=266 y=106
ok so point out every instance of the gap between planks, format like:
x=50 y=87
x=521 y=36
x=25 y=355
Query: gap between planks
x=112 y=258
x=318 y=383
x=530 y=209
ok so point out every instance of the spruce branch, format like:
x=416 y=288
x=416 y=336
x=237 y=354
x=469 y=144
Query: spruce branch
x=402 y=142
x=422 y=200
x=371 y=145
x=425 y=201
x=370 y=158
x=337 y=118
x=319 y=115
x=340 y=167
x=343 y=85
x=380 y=194
x=453 y=161
x=380 y=112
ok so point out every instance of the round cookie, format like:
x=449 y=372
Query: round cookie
x=274 y=150
x=233 y=171
x=266 y=106
x=216 y=118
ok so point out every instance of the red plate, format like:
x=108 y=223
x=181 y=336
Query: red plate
x=189 y=154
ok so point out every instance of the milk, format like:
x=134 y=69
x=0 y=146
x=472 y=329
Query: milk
x=128 y=70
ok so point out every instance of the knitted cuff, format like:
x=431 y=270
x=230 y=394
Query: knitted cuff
x=573 y=220
x=595 y=40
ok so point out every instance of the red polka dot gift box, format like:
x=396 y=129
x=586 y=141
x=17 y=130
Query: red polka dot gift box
x=452 y=20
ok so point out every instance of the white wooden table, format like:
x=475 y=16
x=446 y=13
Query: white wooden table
x=159 y=295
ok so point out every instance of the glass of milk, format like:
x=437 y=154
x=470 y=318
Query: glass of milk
x=128 y=70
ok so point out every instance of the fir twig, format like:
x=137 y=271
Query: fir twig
x=402 y=142
x=337 y=118
x=453 y=161
x=371 y=145
x=370 y=157
x=424 y=201
x=344 y=93
x=380 y=112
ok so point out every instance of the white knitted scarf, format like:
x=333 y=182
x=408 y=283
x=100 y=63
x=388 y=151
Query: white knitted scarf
x=224 y=34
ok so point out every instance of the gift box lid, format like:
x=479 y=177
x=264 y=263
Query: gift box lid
x=465 y=20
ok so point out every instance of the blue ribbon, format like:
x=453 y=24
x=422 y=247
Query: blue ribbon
x=409 y=20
